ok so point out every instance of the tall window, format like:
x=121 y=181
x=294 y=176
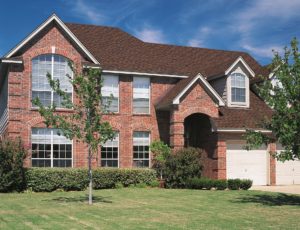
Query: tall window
x=141 y=142
x=238 y=88
x=110 y=153
x=110 y=92
x=50 y=148
x=58 y=67
x=141 y=95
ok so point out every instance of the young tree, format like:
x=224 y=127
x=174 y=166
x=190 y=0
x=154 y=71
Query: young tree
x=283 y=96
x=85 y=122
x=161 y=152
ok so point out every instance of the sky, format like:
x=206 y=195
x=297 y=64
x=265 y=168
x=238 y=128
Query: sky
x=253 y=26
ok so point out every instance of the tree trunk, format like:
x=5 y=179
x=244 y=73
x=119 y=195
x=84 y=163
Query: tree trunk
x=90 y=177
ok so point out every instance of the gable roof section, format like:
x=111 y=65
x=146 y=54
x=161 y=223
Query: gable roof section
x=41 y=27
x=241 y=60
x=176 y=93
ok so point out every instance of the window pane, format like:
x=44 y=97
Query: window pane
x=58 y=67
x=48 y=145
x=141 y=95
x=238 y=87
x=141 y=142
x=110 y=153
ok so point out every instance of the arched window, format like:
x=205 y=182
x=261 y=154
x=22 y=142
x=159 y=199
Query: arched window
x=58 y=67
x=238 y=88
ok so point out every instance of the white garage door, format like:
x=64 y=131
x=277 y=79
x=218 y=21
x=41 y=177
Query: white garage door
x=287 y=172
x=244 y=164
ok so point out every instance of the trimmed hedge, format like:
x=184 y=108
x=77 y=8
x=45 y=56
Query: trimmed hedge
x=206 y=183
x=76 y=179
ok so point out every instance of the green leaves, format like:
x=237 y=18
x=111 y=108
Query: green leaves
x=283 y=96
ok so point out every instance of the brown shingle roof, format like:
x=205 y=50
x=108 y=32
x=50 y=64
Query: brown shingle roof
x=244 y=118
x=118 y=50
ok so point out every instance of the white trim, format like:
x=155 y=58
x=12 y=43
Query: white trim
x=142 y=73
x=12 y=61
x=208 y=86
x=241 y=130
x=240 y=59
x=55 y=18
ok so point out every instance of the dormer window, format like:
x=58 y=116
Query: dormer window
x=238 y=88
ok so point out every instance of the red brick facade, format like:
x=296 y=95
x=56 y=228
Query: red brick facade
x=165 y=125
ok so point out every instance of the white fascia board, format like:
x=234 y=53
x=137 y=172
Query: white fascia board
x=41 y=27
x=240 y=59
x=242 y=130
x=12 y=61
x=144 y=74
x=206 y=84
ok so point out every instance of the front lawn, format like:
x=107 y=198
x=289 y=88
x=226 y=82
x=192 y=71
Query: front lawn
x=137 y=208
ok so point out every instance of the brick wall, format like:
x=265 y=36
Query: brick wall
x=23 y=117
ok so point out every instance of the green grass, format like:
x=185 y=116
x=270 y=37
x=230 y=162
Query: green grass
x=143 y=208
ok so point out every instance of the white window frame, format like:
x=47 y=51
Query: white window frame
x=113 y=76
x=118 y=135
x=52 y=74
x=149 y=104
x=51 y=155
x=231 y=103
x=149 y=141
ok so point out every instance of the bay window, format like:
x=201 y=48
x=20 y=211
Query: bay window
x=110 y=92
x=141 y=95
x=50 y=148
x=141 y=156
x=58 y=67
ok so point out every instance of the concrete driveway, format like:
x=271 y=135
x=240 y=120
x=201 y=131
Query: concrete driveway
x=292 y=189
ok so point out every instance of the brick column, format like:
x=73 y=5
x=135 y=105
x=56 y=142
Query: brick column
x=221 y=159
x=177 y=135
x=176 y=129
x=272 y=150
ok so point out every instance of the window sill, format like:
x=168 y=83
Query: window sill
x=141 y=114
x=57 y=110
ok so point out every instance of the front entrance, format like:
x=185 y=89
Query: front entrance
x=197 y=130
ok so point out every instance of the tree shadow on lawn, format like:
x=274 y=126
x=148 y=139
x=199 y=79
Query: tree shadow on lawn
x=83 y=199
x=270 y=200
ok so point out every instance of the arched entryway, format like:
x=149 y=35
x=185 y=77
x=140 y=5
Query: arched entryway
x=198 y=131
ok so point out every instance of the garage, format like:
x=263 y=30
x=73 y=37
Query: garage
x=288 y=172
x=244 y=164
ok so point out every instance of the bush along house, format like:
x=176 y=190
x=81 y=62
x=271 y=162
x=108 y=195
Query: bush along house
x=183 y=96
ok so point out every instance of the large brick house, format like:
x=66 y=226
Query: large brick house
x=182 y=95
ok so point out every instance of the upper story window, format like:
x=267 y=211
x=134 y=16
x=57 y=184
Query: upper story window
x=59 y=68
x=238 y=87
x=238 y=90
x=110 y=92
x=141 y=95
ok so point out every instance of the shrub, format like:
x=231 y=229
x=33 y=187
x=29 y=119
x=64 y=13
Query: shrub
x=119 y=185
x=182 y=165
x=246 y=184
x=220 y=184
x=206 y=183
x=234 y=184
x=160 y=152
x=154 y=184
x=141 y=185
x=50 y=179
x=12 y=154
